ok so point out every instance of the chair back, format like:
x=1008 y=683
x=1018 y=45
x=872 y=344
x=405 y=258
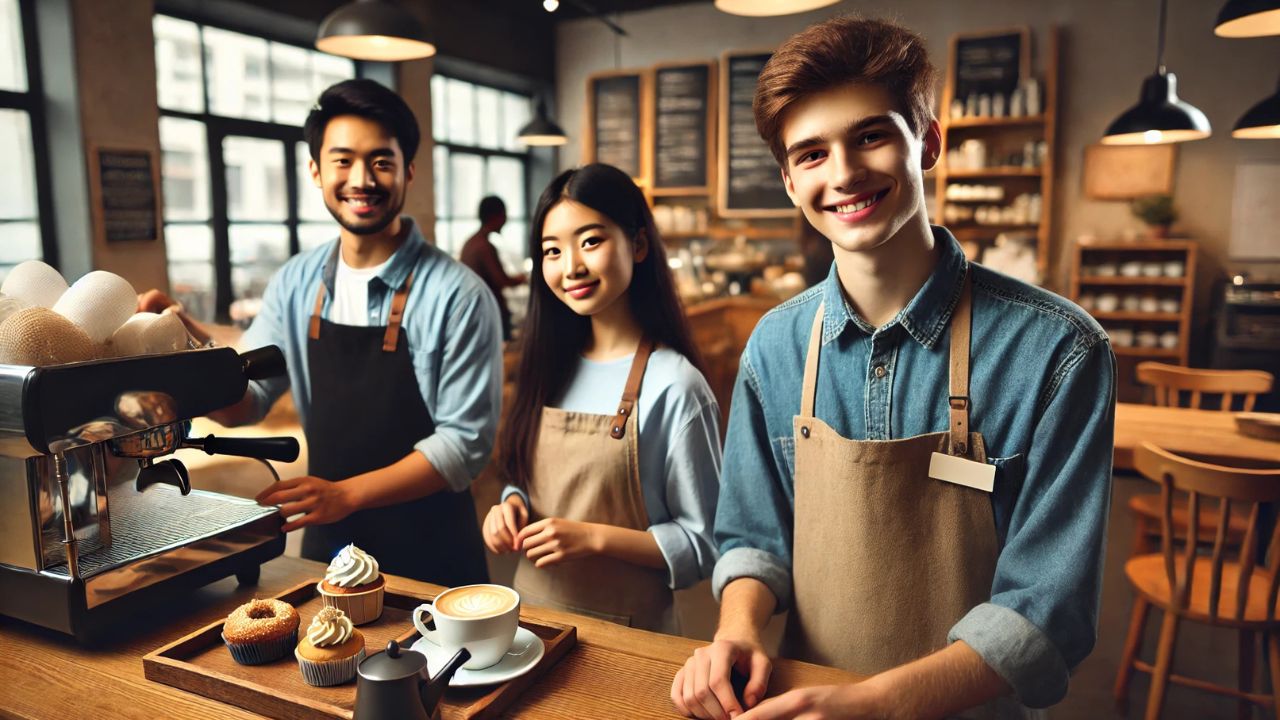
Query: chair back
x=1244 y=486
x=1170 y=381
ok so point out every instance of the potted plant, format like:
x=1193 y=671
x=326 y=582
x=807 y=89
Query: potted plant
x=1157 y=212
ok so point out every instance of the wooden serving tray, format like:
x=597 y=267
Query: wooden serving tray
x=200 y=663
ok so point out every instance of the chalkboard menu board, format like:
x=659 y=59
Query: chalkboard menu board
x=615 y=133
x=125 y=185
x=682 y=113
x=991 y=63
x=750 y=181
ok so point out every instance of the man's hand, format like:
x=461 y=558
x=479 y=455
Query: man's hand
x=702 y=688
x=554 y=540
x=321 y=501
x=504 y=523
x=155 y=301
x=822 y=702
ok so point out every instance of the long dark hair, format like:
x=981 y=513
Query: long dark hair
x=555 y=335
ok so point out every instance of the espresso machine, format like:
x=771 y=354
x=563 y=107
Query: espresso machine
x=94 y=524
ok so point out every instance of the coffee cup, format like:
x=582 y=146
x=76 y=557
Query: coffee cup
x=481 y=618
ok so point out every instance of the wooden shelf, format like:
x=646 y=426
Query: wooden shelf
x=1136 y=316
x=995 y=172
x=1001 y=122
x=1177 y=246
x=1146 y=352
x=1131 y=281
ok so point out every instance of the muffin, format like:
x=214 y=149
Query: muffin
x=261 y=631
x=331 y=649
x=353 y=584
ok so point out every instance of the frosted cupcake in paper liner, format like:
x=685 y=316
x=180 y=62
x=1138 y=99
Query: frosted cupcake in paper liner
x=331 y=649
x=353 y=584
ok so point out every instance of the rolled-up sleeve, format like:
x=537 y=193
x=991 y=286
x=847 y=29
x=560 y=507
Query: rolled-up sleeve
x=1041 y=620
x=753 y=526
x=268 y=328
x=469 y=391
x=692 y=472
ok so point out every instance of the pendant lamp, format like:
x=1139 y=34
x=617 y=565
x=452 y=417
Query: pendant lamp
x=765 y=8
x=1261 y=122
x=377 y=30
x=1160 y=117
x=1248 y=18
x=541 y=130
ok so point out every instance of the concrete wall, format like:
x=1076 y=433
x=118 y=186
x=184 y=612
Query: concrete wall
x=116 y=78
x=1108 y=47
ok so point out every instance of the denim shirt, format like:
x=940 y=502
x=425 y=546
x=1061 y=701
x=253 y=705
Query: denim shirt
x=452 y=328
x=1042 y=396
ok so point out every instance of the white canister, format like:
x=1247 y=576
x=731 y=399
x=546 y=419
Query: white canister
x=1147 y=338
x=1131 y=303
x=1170 y=305
x=1174 y=268
x=1108 y=302
x=1122 y=336
x=1169 y=340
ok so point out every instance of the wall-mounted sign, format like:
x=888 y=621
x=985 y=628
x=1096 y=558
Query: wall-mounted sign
x=683 y=127
x=750 y=182
x=615 y=134
x=126 y=189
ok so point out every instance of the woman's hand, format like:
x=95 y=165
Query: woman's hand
x=554 y=540
x=503 y=523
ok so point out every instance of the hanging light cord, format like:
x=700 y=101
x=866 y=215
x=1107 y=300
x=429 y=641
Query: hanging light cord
x=1160 y=39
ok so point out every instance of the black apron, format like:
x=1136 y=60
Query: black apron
x=367 y=413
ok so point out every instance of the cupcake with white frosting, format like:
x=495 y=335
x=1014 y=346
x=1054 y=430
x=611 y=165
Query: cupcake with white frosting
x=331 y=649
x=353 y=584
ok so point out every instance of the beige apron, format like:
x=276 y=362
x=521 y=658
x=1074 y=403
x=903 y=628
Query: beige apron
x=587 y=469
x=886 y=559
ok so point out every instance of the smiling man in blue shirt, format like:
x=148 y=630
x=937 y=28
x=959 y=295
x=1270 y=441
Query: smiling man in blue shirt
x=394 y=358
x=918 y=461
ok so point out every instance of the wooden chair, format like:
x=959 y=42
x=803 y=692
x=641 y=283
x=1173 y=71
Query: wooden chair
x=1169 y=383
x=1214 y=589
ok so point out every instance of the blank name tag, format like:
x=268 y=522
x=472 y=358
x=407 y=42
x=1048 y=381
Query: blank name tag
x=962 y=471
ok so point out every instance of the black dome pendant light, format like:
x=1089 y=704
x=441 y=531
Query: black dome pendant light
x=376 y=30
x=1160 y=117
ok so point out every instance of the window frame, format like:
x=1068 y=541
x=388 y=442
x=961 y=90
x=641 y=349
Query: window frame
x=32 y=102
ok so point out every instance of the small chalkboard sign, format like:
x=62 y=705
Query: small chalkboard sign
x=682 y=127
x=750 y=182
x=614 y=133
x=991 y=63
x=126 y=189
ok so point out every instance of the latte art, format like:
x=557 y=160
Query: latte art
x=476 y=602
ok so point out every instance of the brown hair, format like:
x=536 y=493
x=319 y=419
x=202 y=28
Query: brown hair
x=839 y=51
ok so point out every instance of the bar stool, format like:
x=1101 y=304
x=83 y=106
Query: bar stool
x=1169 y=383
x=1214 y=589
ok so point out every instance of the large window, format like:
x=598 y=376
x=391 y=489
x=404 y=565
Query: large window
x=24 y=172
x=238 y=196
x=477 y=154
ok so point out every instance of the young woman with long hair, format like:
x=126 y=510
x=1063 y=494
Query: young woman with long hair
x=611 y=448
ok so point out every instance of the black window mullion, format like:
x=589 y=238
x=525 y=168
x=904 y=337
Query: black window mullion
x=221 y=228
x=39 y=134
x=292 y=188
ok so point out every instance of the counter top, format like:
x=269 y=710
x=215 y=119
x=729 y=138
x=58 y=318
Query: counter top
x=613 y=671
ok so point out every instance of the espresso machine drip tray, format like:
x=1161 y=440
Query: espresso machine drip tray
x=160 y=519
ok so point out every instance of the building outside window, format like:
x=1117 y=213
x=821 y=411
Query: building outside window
x=25 y=232
x=238 y=196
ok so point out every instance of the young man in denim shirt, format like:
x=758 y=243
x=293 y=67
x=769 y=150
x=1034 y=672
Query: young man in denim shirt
x=918 y=462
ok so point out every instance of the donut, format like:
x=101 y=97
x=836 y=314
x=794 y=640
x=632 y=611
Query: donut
x=260 y=621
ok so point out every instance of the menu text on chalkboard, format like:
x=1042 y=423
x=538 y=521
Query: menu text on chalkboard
x=992 y=63
x=751 y=183
x=127 y=193
x=680 y=126
x=615 y=116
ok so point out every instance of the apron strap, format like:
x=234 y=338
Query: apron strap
x=631 y=392
x=392 y=335
x=314 y=332
x=961 y=321
x=810 y=386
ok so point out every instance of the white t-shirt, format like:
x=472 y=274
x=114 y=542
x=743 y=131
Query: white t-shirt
x=350 y=304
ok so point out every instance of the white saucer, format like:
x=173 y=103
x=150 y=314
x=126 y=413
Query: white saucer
x=526 y=650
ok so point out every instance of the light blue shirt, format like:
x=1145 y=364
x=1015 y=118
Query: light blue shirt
x=454 y=335
x=1042 y=383
x=679 y=452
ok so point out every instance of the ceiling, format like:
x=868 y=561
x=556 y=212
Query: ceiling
x=316 y=10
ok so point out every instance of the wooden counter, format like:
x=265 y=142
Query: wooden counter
x=613 y=671
x=1206 y=434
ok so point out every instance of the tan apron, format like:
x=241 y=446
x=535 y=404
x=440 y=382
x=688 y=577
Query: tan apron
x=886 y=559
x=587 y=469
